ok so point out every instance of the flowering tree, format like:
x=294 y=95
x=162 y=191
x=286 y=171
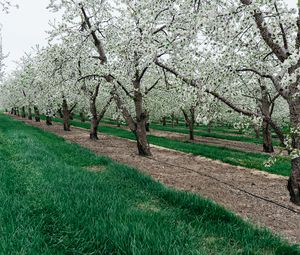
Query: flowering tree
x=138 y=54
x=127 y=38
x=268 y=34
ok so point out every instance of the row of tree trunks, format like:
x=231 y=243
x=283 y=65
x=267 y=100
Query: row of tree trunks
x=15 y=111
x=174 y=121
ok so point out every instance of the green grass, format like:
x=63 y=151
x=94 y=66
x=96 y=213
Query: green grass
x=240 y=138
x=227 y=155
x=51 y=204
x=224 y=133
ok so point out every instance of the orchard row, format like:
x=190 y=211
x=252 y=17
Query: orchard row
x=141 y=61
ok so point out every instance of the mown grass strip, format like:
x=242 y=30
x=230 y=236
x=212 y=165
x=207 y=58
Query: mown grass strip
x=52 y=205
x=227 y=155
x=214 y=135
x=202 y=131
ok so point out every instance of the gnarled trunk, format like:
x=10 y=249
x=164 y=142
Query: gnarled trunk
x=164 y=120
x=172 y=119
x=141 y=120
x=209 y=126
x=191 y=131
x=147 y=126
x=190 y=121
x=267 y=137
x=48 y=121
x=294 y=180
x=94 y=120
x=82 y=116
x=23 y=113
x=257 y=131
x=60 y=113
x=37 y=114
x=29 y=113
x=66 y=115
x=141 y=138
x=267 y=107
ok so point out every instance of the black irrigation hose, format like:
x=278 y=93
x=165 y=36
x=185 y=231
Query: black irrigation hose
x=230 y=185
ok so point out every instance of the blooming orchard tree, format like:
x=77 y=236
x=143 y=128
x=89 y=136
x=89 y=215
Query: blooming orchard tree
x=140 y=55
x=241 y=31
x=127 y=38
x=266 y=40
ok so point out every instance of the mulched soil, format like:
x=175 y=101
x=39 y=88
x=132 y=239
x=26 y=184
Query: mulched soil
x=257 y=196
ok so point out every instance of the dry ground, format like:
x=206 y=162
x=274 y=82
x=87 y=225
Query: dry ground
x=258 y=196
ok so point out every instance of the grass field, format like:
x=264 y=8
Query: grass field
x=227 y=155
x=53 y=204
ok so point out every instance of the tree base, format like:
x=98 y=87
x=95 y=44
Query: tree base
x=268 y=149
x=94 y=137
x=294 y=190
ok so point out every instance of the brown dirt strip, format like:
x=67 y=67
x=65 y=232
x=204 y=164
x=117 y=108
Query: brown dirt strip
x=257 y=196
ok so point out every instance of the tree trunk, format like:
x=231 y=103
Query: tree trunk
x=209 y=127
x=172 y=119
x=190 y=121
x=147 y=126
x=29 y=113
x=37 y=114
x=278 y=132
x=66 y=115
x=23 y=112
x=48 y=121
x=18 y=111
x=191 y=131
x=177 y=121
x=94 y=120
x=266 y=109
x=82 y=116
x=94 y=129
x=164 y=120
x=141 y=119
x=12 y=111
x=267 y=138
x=294 y=180
x=60 y=113
x=141 y=138
x=257 y=131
